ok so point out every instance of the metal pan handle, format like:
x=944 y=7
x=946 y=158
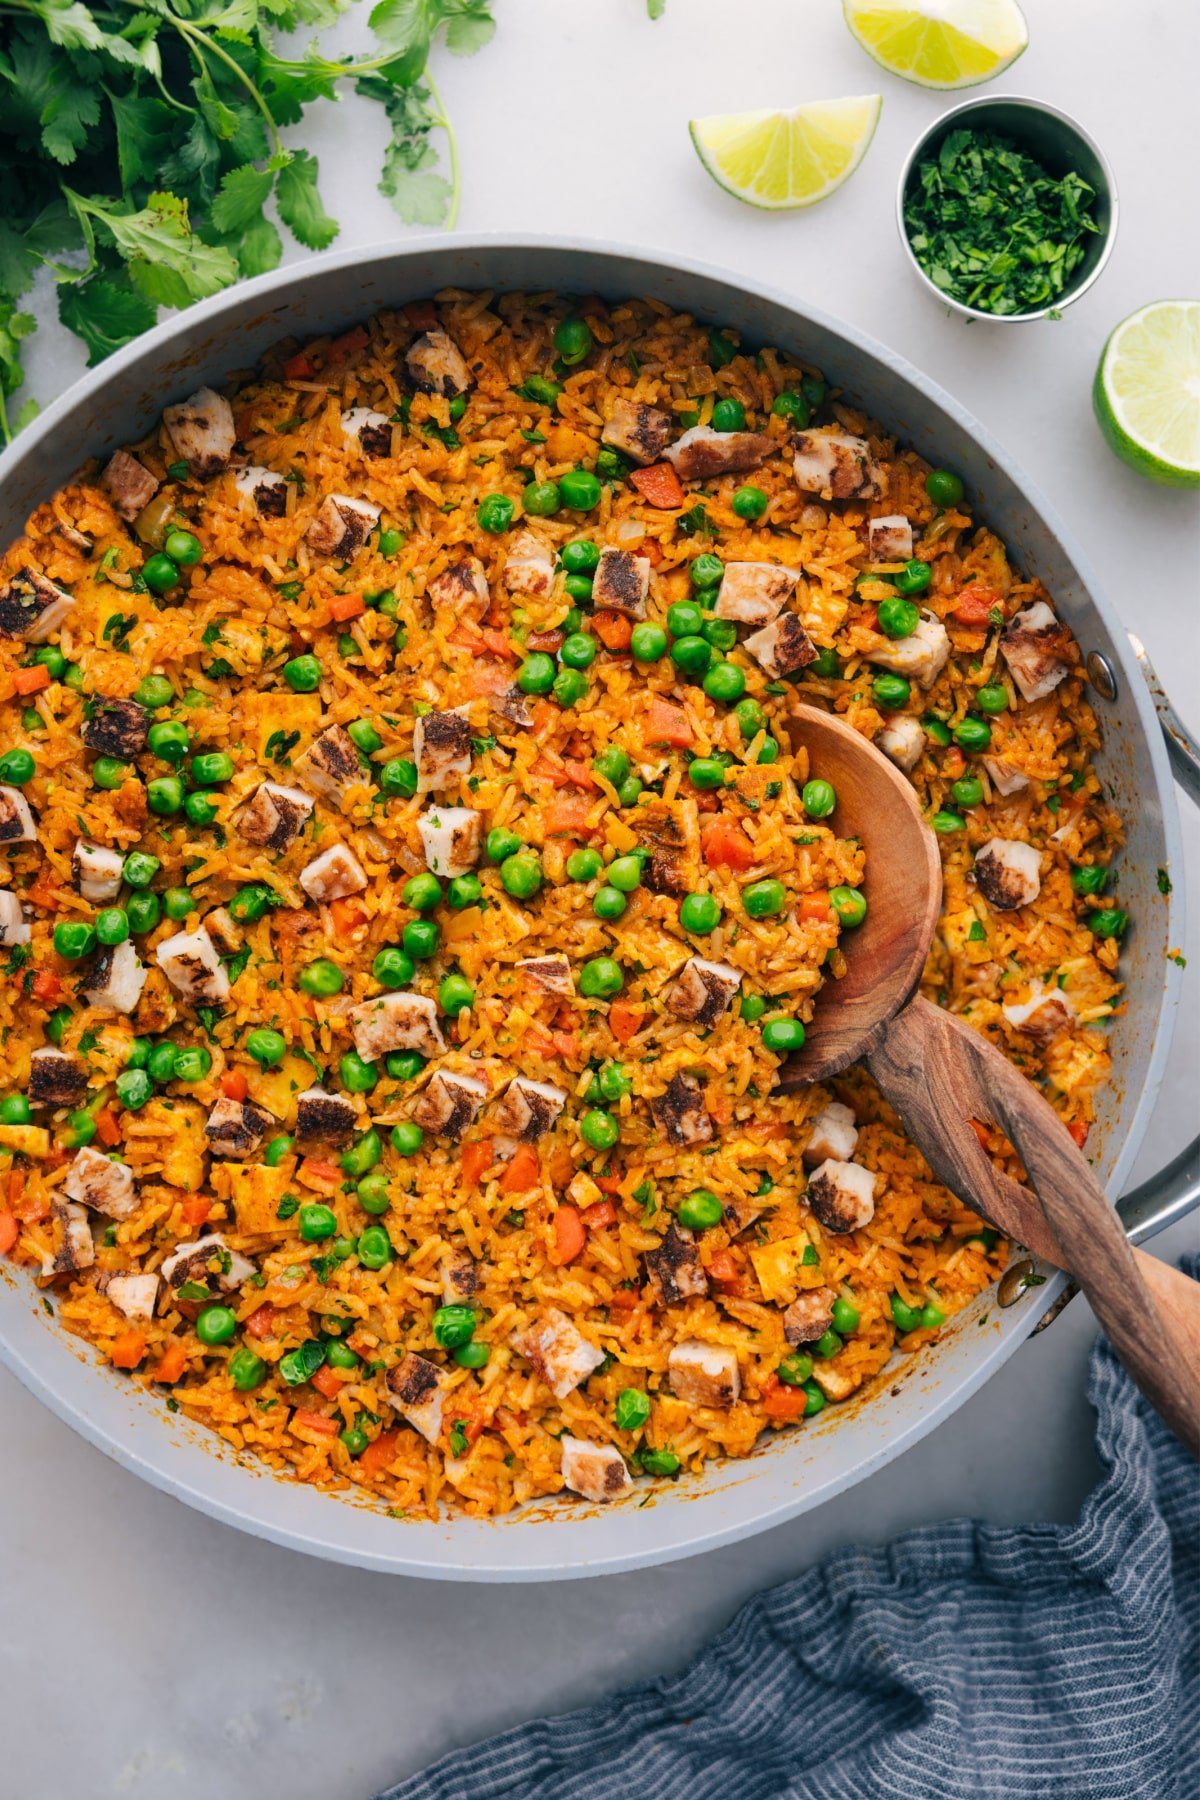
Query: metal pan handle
x=1181 y=746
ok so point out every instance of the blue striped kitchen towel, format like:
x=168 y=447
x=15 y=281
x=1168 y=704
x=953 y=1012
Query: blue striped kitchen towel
x=963 y=1662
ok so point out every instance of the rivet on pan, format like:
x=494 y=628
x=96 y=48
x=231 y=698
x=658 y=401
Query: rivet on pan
x=1100 y=674
x=1015 y=1281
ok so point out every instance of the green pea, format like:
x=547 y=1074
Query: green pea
x=752 y=1007
x=495 y=513
x=454 y=1325
x=720 y=633
x=364 y=737
x=897 y=618
x=1089 y=878
x=455 y=995
x=279 y=1148
x=750 y=718
x=162 y=1064
x=49 y=656
x=692 y=655
x=353 y=1440
x=134 y=1087
x=73 y=939
x=625 y=873
x=972 y=734
x=178 y=902
x=390 y=542
x=914 y=577
x=267 y=1047
x=706 y=773
x=404 y=1065
x=992 y=697
x=139 y=1053
x=521 y=874
x=302 y=674
x=139 y=869
x=648 y=643
x=584 y=865
x=541 y=499
x=165 y=795
x=632 y=1409
x=357 y=1075
x=56 y=1024
x=201 y=809
x=301 y=1365
x=464 y=891
x=966 y=792
x=399 y=777
x=81 y=1129
x=420 y=939
x=931 y=1317
x=613 y=1082
x=421 y=892
x=944 y=487
x=536 y=674
x=73 y=678
x=501 y=843
x=373 y=1192
x=247 y=1370
x=729 y=415
x=183 y=547
x=578 y=650
x=749 y=502
x=629 y=791
x=721 y=349
x=609 y=903
x=216 y=1324
x=850 y=905
x=601 y=978
x=160 y=574
x=407 y=1138
x=471 y=1356
x=845 y=1316
x=321 y=979
x=825 y=665
x=814 y=390
x=112 y=925
x=705 y=571
x=783 y=1035
x=819 y=797
x=16 y=768
x=339 y=1355
x=660 y=1462
x=936 y=730
x=906 y=1318
x=763 y=899
x=1110 y=922
x=31 y=719
x=573 y=339
x=110 y=772
x=701 y=1210
x=250 y=903
x=891 y=692
x=699 y=914
x=768 y=751
x=316 y=1223
x=814 y=1399
x=579 y=490
x=612 y=763
x=211 y=768
x=795 y=1369
x=570 y=686
x=685 y=619
x=945 y=822
x=792 y=407
x=599 y=1129
x=14 y=1110
x=362 y=1155
x=374 y=1247
x=580 y=557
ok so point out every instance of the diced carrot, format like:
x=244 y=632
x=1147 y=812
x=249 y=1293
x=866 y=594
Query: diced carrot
x=10 y=1231
x=171 y=1364
x=569 y=1235
x=708 y=803
x=315 y=1172
x=347 y=914
x=328 y=1382
x=609 y=1184
x=725 y=843
x=568 y=818
x=421 y=315
x=599 y=1216
x=545 y=714
x=127 y=1351
x=243 y=423
x=613 y=629
x=546 y=769
x=953 y=763
x=45 y=986
x=722 y=1267
x=196 y=1208
x=868 y=618
x=31 y=681
x=297 y=368
x=43 y=894
x=108 y=1128
x=659 y=485
x=974 y=603
x=346 y=606
x=32 y=1207
x=377 y=1455
x=652 y=550
x=624 y=1300
x=500 y=645
x=765 y=1131
x=666 y=723
x=521 y=1172
x=782 y=1404
x=814 y=907
x=350 y=342
x=1079 y=1129
x=304 y=1420
x=477 y=1156
x=234 y=1085
x=545 y=640
x=261 y=1322
x=624 y=1019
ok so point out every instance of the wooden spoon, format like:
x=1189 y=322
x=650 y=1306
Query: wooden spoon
x=939 y=1075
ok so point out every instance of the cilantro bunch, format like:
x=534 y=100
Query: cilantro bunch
x=140 y=145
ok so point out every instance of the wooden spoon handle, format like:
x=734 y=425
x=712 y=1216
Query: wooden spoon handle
x=939 y=1075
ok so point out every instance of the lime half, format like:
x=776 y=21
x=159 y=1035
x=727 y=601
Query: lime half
x=940 y=43
x=1147 y=392
x=787 y=159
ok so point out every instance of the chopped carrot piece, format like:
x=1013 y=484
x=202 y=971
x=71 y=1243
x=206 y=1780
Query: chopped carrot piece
x=609 y=1184
x=723 y=1271
x=613 y=629
x=500 y=645
x=666 y=723
x=304 y=1420
x=569 y=1234
x=568 y=818
x=171 y=1364
x=782 y=1404
x=10 y=1231
x=315 y=1172
x=763 y=1131
x=346 y=606
x=328 y=1382
x=377 y=1455
x=814 y=907
x=624 y=1300
x=624 y=1019
x=45 y=986
x=347 y=914
x=108 y=1128
x=522 y=1171
x=420 y=314
x=652 y=550
x=974 y=603
x=234 y=1085
x=350 y=342
x=16 y=1187
x=602 y=1214
x=868 y=618
x=659 y=485
x=477 y=1157
x=243 y=423
x=261 y=1322
x=31 y=681
x=546 y=769
x=196 y=1208
x=724 y=842
x=127 y=1351
x=1079 y=1129
x=42 y=894
x=297 y=368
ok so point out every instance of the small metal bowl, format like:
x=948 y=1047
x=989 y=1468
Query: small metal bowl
x=1061 y=145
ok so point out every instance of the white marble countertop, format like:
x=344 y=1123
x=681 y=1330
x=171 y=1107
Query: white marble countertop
x=197 y=1659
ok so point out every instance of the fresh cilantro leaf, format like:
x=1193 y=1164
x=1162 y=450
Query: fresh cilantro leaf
x=410 y=178
x=655 y=8
x=260 y=249
x=145 y=133
x=105 y=314
x=244 y=193
x=300 y=204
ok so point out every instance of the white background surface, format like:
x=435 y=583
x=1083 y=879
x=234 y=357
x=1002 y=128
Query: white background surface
x=148 y=1652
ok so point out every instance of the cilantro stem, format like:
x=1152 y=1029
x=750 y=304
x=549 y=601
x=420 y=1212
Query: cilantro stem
x=442 y=118
x=204 y=43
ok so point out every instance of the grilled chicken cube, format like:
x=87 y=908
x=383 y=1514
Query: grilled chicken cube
x=702 y=453
x=674 y=1269
x=330 y=766
x=73 y=1248
x=370 y=430
x=323 y=1117
x=1043 y=1017
x=890 y=540
x=450 y=838
x=528 y=1109
x=781 y=647
x=332 y=875
x=596 y=1471
x=275 y=816
x=1004 y=777
x=450 y=1103
x=529 y=565
x=923 y=655
x=511 y=704
x=98 y=872
x=16 y=819
x=116 y=976
x=740 y=1215
x=55 y=1079
x=133 y=1295
x=32 y=606
x=638 y=431
x=704 y=991
x=192 y=964
x=417 y=1390
x=704 y=1374
x=201 y=432
x=1036 y=645
x=442 y=747
x=209 y=1262
x=622 y=582
x=809 y=1316
x=670 y=830
x=836 y=1384
x=834 y=463
x=1008 y=873
x=754 y=593
x=550 y=973
x=342 y=525
x=396 y=1022
x=902 y=741
x=463 y=587
x=437 y=365
x=237 y=1127
x=117 y=728
x=842 y=1195
x=107 y=1187
x=224 y=930
x=128 y=483
x=833 y=1134
x=266 y=491
x=14 y=926
x=680 y=1114
x=562 y=1356
x=460 y=1278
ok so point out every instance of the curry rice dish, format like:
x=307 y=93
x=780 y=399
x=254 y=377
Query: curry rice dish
x=409 y=896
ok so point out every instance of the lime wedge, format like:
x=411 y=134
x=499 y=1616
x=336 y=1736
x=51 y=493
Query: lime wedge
x=940 y=43
x=1147 y=392
x=787 y=159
